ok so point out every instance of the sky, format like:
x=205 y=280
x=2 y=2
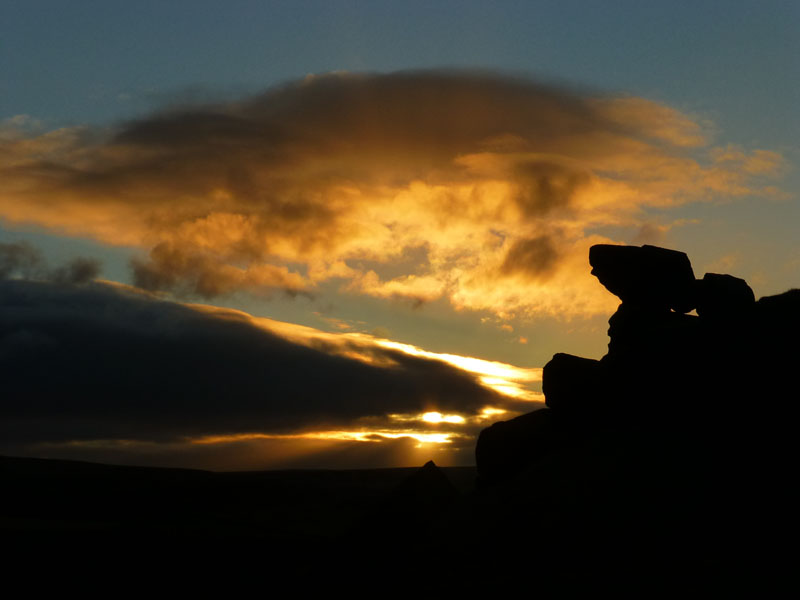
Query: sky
x=350 y=234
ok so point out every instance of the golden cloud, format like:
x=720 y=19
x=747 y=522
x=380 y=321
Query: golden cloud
x=494 y=184
x=507 y=380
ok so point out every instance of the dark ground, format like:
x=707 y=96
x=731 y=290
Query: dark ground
x=545 y=530
x=55 y=499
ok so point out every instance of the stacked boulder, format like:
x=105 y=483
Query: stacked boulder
x=699 y=377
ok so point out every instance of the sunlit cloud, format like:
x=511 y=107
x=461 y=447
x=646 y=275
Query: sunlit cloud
x=489 y=412
x=437 y=417
x=260 y=451
x=508 y=380
x=357 y=436
x=479 y=189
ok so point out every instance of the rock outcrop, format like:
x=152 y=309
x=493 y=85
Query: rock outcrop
x=646 y=276
x=679 y=442
x=722 y=376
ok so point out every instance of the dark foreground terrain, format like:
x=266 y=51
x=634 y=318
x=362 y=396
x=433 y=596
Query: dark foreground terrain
x=56 y=501
x=595 y=512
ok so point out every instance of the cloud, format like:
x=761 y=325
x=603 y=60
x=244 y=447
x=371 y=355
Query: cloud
x=533 y=257
x=172 y=267
x=496 y=184
x=84 y=364
x=108 y=372
x=266 y=453
x=21 y=259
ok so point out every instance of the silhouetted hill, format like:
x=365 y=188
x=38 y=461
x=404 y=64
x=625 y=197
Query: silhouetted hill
x=54 y=499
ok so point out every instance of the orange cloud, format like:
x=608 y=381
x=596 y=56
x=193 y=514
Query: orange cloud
x=511 y=382
x=477 y=188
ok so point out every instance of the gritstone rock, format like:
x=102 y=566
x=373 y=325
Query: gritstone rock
x=571 y=382
x=508 y=447
x=712 y=365
x=427 y=485
x=680 y=442
x=648 y=276
x=723 y=295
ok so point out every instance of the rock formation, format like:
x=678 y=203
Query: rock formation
x=691 y=414
x=704 y=375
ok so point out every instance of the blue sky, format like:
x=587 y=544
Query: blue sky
x=89 y=61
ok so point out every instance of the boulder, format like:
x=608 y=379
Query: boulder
x=508 y=447
x=641 y=334
x=781 y=312
x=723 y=296
x=426 y=488
x=648 y=276
x=775 y=349
x=571 y=383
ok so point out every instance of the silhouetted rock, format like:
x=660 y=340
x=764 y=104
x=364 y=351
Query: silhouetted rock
x=571 y=383
x=508 y=447
x=784 y=305
x=780 y=312
x=407 y=511
x=681 y=440
x=645 y=352
x=775 y=348
x=646 y=275
x=721 y=296
x=427 y=485
x=640 y=333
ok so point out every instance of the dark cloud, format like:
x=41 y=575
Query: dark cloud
x=533 y=257
x=21 y=259
x=544 y=187
x=197 y=273
x=432 y=113
x=79 y=270
x=101 y=362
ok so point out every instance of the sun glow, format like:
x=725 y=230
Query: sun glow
x=353 y=436
x=437 y=417
x=491 y=411
x=505 y=379
x=487 y=368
